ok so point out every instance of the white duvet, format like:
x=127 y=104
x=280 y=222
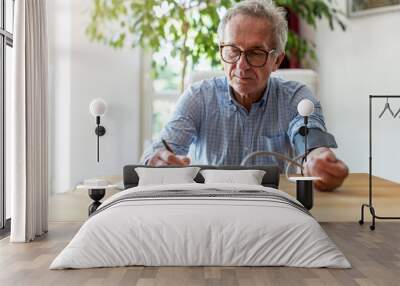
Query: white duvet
x=185 y=231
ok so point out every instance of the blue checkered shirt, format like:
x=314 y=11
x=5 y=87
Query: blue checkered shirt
x=210 y=125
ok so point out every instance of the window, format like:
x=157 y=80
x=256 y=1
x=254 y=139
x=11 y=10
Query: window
x=6 y=44
x=161 y=94
x=166 y=92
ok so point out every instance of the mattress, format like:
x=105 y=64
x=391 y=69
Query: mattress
x=201 y=225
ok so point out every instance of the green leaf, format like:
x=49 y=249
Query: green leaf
x=114 y=21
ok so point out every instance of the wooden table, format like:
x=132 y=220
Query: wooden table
x=344 y=204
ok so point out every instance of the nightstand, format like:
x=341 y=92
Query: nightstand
x=96 y=193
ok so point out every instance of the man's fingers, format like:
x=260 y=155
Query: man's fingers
x=172 y=159
x=185 y=160
x=328 y=181
x=336 y=169
x=322 y=186
x=332 y=173
x=159 y=162
x=316 y=172
x=165 y=158
x=156 y=161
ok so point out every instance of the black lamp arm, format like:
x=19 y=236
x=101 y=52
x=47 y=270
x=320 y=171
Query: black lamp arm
x=100 y=131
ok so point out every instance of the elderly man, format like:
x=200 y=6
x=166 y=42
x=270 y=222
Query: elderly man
x=224 y=119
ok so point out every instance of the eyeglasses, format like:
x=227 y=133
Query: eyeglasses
x=255 y=57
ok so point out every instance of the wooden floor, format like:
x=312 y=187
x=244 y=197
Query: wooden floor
x=374 y=255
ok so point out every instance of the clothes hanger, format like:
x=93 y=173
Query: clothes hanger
x=397 y=113
x=387 y=107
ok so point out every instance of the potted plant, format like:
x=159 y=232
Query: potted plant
x=189 y=28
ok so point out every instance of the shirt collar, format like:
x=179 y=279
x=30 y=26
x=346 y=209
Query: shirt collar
x=264 y=99
x=261 y=103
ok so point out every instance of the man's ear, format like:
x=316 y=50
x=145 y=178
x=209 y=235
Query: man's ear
x=278 y=60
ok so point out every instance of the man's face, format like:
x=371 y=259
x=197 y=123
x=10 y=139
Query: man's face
x=246 y=33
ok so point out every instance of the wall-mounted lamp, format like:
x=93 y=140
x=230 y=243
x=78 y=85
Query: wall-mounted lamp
x=305 y=109
x=98 y=107
x=304 y=188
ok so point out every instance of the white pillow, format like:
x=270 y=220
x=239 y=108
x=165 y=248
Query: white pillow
x=165 y=176
x=249 y=177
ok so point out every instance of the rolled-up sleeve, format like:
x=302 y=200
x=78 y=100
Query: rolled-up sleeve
x=318 y=135
x=183 y=127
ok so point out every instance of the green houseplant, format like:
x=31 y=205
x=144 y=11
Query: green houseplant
x=189 y=28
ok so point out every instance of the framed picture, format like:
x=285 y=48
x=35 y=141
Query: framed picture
x=358 y=8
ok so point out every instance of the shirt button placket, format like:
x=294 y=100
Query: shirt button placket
x=247 y=135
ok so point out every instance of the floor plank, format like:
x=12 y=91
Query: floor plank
x=375 y=257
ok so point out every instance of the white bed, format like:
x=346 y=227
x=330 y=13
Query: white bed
x=248 y=225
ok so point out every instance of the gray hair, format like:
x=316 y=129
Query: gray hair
x=263 y=9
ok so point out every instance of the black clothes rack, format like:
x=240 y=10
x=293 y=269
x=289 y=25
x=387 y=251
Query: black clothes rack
x=370 y=205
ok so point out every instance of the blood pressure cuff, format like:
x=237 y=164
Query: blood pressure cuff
x=315 y=138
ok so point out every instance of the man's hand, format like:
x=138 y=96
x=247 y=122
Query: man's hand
x=322 y=162
x=164 y=157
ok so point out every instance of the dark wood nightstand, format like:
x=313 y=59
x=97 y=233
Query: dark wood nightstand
x=96 y=193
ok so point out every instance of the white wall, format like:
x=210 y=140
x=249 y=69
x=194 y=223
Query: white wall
x=79 y=72
x=353 y=64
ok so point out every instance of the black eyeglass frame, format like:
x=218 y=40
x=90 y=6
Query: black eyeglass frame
x=267 y=53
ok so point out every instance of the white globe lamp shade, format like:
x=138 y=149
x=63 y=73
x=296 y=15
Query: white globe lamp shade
x=98 y=107
x=305 y=107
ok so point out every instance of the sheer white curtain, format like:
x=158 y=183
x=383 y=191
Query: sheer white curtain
x=28 y=121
